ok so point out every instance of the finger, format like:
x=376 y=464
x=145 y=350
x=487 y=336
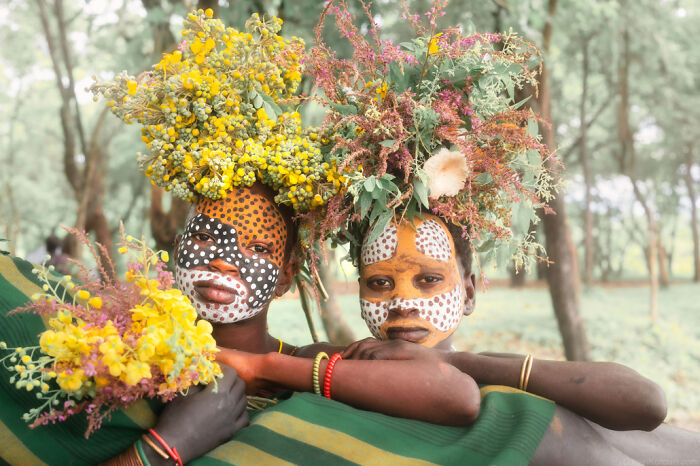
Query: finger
x=348 y=352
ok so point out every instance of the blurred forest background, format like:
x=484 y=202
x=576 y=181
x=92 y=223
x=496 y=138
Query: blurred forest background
x=620 y=85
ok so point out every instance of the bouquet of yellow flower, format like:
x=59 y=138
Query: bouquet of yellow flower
x=216 y=114
x=111 y=342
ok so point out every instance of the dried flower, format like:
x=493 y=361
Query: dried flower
x=447 y=173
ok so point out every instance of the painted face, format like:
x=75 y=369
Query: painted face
x=410 y=284
x=230 y=256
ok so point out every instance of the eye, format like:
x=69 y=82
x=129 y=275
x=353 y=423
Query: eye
x=380 y=283
x=259 y=249
x=202 y=237
x=430 y=279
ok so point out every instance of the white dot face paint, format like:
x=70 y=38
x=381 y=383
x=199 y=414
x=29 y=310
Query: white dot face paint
x=432 y=241
x=234 y=311
x=410 y=283
x=383 y=248
x=443 y=311
x=224 y=245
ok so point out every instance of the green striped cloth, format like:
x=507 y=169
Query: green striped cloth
x=305 y=429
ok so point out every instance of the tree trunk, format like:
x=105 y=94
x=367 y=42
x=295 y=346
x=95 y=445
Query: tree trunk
x=587 y=178
x=165 y=225
x=690 y=185
x=628 y=166
x=337 y=329
x=664 y=273
x=517 y=277
x=563 y=274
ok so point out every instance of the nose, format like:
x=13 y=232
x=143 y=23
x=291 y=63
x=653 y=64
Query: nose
x=402 y=307
x=221 y=266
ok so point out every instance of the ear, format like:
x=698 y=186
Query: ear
x=286 y=276
x=470 y=292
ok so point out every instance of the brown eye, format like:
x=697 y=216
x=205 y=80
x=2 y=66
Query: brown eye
x=430 y=279
x=203 y=237
x=259 y=249
x=380 y=283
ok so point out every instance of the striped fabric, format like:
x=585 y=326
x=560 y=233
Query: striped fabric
x=305 y=429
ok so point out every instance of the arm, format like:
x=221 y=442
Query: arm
x=609 y=394
x=196 y=423
x=436 y=393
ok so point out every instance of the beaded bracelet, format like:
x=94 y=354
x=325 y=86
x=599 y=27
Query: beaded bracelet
x=329 y=373
x=317 y=365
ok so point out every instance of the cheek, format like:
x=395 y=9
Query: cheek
x=443 y=311
x=374 y=315
x=260 y=277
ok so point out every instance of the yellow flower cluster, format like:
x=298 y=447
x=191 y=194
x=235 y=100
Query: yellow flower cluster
x=155 y=346
x=212 y=115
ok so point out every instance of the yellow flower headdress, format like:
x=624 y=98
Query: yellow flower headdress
x=216 y=115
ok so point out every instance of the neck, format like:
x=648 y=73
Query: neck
x=249 y=335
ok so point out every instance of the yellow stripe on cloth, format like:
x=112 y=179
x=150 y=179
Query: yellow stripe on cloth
x=141 y=414
x=11 y=273
x=505 y=389
x=332 y=441
x=13 y=451
x=242 y=454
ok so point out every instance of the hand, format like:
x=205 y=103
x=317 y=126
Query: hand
x=371 y=348
x=249 y=367
x=201 y=421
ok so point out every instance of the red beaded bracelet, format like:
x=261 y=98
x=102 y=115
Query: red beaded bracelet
x=171 y=451
x=329 y=372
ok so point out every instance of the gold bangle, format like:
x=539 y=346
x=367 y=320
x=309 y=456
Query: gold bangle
x=525 y=372
x=317 y=365
x=280 y=349
x=153 y=445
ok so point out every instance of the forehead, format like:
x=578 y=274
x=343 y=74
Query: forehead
x=426 y=237
x=253 y=215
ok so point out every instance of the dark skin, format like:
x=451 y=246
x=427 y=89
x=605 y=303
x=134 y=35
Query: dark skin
x=437 y=393
x=609 y=394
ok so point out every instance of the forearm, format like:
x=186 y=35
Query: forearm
x=609 y=394
x=436 y=393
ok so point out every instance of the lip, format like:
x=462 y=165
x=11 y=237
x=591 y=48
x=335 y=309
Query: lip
x=215 y=292
x=412 y=334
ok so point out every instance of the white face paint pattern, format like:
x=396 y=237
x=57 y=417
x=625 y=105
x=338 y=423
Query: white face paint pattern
x=216 y=312
x=381 y=249
x=432 y=241
x=258 y=276
x=443 y=311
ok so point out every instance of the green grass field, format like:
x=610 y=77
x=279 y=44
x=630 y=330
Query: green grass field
x=617 y=322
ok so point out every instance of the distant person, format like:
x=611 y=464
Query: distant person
x=57 y=257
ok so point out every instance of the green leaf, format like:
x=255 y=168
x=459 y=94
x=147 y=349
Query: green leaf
x=344 y=109
x=270 y=106
x=407 y=46
x=483 y=178
x=388 y=143
x=420 y=192
x=257 y=101
x=370 y=182
x=522 y=102
x=380 y=225
x=365 y=203
x=533 y=128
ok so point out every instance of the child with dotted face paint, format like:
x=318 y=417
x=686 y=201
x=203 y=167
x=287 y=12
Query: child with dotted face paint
x=233 y=259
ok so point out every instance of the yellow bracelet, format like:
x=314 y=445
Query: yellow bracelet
x=317 y=365
x=525 y=372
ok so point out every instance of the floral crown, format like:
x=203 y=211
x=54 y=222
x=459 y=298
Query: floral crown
x=433 y=125
x=217 y=114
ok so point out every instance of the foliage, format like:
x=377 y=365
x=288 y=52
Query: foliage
x=109 y=344
x=213 y=118
x=390 y=108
